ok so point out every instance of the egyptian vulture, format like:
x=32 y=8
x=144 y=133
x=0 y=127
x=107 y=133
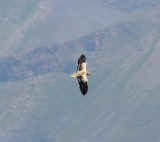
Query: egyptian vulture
x=81 y=74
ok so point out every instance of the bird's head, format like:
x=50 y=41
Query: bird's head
x=88 y=73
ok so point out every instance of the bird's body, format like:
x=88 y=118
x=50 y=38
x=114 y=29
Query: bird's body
x=81 y=74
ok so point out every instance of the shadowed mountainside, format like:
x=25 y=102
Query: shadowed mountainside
x=55 y=58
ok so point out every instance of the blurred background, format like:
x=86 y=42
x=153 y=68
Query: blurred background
x=40 y=42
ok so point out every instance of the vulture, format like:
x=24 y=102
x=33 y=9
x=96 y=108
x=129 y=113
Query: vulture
x=81 y=74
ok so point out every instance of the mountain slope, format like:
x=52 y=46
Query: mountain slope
x=28 y=25
x=44 y=104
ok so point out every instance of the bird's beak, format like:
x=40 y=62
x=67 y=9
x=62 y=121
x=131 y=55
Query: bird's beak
x=88 y=74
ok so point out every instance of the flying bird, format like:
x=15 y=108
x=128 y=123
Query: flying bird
x=81 y=74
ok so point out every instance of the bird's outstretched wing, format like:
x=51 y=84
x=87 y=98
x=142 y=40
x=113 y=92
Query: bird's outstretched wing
x=81 y=59
x=82 y=79
x=82 y=85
